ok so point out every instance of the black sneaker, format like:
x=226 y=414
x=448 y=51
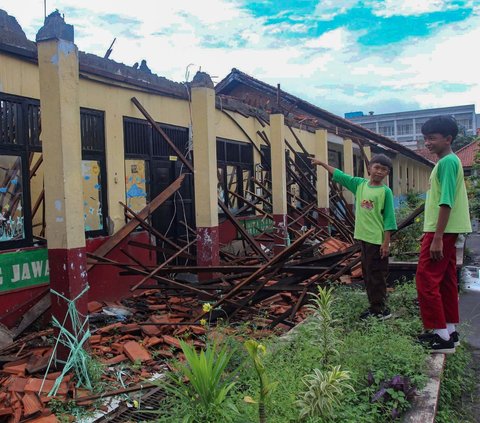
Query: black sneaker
x=454 y=337
x=366 y=314
x=436 y=344
x=384 y=315
x=425 y=337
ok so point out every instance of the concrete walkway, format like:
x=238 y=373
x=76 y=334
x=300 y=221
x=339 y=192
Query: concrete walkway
x=470 y=311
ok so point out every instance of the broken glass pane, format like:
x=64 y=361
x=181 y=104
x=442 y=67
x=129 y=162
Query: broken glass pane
x=11 y=199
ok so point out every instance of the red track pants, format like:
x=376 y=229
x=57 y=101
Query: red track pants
x=437 y=283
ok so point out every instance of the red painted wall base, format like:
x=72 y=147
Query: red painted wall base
x=280 y=232
x=105 y=281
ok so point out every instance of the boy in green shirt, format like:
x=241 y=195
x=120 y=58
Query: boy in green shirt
x=446 y=216
x=374 y=220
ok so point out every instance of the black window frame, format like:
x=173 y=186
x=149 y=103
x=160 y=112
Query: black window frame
x=156 y=148
x=28 y=142
x=94 y=149
x=226 y=157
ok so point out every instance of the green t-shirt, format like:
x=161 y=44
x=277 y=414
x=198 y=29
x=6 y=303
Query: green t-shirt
x=447 y=187
x=374 y=210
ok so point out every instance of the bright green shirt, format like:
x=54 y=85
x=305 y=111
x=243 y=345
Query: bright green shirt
x=374 y=210
x=447 y=187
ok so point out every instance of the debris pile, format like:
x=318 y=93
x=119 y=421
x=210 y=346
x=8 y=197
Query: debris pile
x=134 y=339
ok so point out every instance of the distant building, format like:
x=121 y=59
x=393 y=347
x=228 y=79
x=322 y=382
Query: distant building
x=405 y=127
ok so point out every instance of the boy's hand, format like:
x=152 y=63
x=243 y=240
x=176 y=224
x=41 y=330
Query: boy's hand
x=384 y=250
x=316 y=162
x=436 y=249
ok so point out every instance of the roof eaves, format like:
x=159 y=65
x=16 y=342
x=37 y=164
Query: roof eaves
x=239 y=76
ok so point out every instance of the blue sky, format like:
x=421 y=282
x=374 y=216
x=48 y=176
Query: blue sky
x=380 y=55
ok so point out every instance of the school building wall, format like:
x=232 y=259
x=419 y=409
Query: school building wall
x=19 y=76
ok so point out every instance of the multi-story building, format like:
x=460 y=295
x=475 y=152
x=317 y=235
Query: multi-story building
x=405 y=127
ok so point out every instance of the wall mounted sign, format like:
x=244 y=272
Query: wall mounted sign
x=21 y=269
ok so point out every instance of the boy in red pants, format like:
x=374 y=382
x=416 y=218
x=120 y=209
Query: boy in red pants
x=446 y=216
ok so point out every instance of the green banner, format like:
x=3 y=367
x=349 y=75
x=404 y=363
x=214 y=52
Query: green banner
x=23 y=269
x=257 y=225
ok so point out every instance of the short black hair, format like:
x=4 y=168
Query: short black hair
x=381 y=159
x=445 y=125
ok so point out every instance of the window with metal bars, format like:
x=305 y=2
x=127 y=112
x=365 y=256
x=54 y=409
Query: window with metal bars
x=143 y=145
x=235 y=171
x=19 y=142
x=266 y=159
x=94 y=171
x=304 y=164
x=141 y=140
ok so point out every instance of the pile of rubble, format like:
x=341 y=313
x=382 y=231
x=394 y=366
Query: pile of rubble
x=141 y=333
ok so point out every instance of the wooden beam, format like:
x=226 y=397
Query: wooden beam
x=123 y=232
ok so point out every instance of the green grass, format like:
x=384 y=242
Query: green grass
x=383 y=349
x=457 y=388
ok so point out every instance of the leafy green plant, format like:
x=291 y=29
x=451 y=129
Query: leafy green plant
x=322 y=320
x=323 y=393
x=208 y=389
x=473 y=188
x=394 y=393
x=406 y=242
x=255 y=351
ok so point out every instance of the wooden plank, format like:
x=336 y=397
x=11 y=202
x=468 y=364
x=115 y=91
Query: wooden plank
x=32 y=314
x=155 y=271
x=123 y=232
x=262 y=270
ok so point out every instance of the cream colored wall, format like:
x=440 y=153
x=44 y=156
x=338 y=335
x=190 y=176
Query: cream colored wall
x=116 y=102
x=21 y=78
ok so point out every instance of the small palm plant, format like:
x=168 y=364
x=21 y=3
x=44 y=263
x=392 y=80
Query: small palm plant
x=323 y=393
x=207 y=387
x=255 y=351
x=323 y=322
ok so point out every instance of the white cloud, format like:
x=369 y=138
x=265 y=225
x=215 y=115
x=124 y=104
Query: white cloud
x=337 y=39
x=331 y=70
x=327 y=9
x=388 y=8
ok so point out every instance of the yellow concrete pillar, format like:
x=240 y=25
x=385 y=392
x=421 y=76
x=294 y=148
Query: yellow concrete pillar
x=368 y=152
x=417 y=177
x=396 y=177
x=403 y=182
x=348 y=166
x=115 y=154
x=411 y=175
x=205 y=177
x=323 y=187
x=279 y=180
x=62 y=156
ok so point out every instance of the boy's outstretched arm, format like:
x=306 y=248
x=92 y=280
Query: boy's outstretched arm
x=317 y=162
